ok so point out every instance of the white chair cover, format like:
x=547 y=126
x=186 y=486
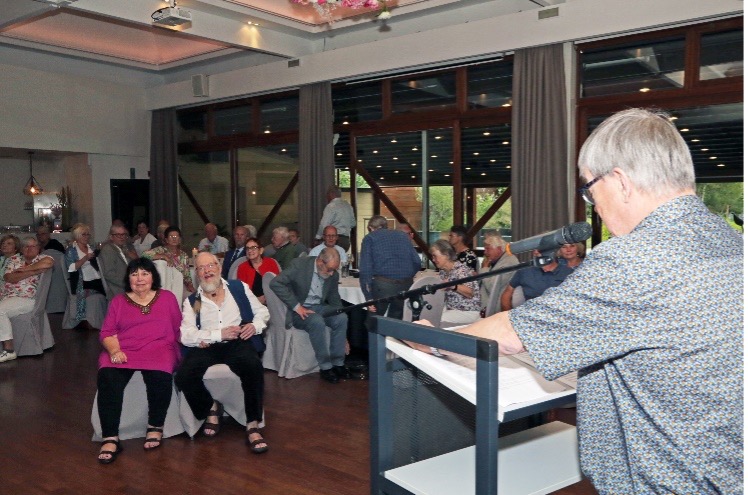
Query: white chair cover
x=225 y=387
x=433 y=315
x=234 y=268
x=95 y=304
x=289 y=350
x=518 y=297
x=109 y=294
x=134 y=419
x=31 y=331
x=57 y=298
x=171 y=279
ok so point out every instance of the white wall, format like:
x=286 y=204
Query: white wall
x=577 y=20
x=58 y=112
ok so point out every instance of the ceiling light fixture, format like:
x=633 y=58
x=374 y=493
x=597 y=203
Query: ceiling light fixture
x=326 y=8
x=32 y=187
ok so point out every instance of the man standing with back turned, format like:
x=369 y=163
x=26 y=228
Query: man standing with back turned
x=655 y=332
x=388 y=265
x=339 y=214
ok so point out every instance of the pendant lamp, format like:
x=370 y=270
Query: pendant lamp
x=32 y=187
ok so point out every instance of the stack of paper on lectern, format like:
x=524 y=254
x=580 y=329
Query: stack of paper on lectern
x=520 y=385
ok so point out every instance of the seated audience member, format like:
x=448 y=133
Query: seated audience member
x=458 y=239
x=534 y=281
x=218 y=323
x=10 y=245
x=160 y=229
x=309 y=289
x=495 y=258
x=85 y=277
x=330 y=239
x=388 y=265
x=173 y=255
x=295 y=238
x=140 y=333
x=115 y=257
x=462 y=301
x=285 y=252
x=46 y=241
x=144 y=240
x=255 y=267
x=338 y=213
x=212 y=242
x=21 y=278
x=241 y=234
x=571 y=255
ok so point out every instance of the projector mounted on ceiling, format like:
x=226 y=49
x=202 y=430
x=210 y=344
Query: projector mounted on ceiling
x=171 y=16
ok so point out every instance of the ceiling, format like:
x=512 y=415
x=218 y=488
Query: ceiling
x=116 y=40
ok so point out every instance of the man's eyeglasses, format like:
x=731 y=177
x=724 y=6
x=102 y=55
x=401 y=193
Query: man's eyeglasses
x=585 y=190
x=211 y=266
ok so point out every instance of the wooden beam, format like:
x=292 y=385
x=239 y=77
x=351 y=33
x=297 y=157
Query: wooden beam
x=490 y=212
x=278 y=204
x=193 y=199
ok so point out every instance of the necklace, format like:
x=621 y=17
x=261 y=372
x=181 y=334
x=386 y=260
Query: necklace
x=144 y=309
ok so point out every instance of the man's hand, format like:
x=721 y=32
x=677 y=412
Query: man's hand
x=303 y=312
x=420 y=347
x=230 y=333
x=247 y=331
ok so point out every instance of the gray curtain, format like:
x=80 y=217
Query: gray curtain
x=539 y=142
x=163 y=183
x=316 y=162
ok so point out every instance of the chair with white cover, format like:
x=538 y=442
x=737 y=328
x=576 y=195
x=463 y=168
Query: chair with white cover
x=57 y=298
x=96 y=304
x=234 y=268
x=31 y=331
x=225 y=387
x=436 y=300
x=171 y=279
x=134 y=418
x=518 y=297
x=289 y=350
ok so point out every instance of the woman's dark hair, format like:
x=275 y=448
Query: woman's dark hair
x=461 y=231
x=142 y=264
x=255 y=240
x=171 y=229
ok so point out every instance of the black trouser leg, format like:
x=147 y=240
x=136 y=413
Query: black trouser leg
x=111 y=383
x=158 y=388
x=189 y=378
x=242 y=358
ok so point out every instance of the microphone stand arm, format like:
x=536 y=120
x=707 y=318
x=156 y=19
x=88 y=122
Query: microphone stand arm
x=417 y=302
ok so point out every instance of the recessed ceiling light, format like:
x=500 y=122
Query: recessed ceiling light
x=414 y=148
x=508 y=166
x=685 y=129
x=483 y=173
x=486 y=133
x=397 y=171
x=720 y=164
x=694 y=140
x=644 y=90
x=505 y=105
x=375 y=151
x=267 y=131
x=431 y=170
x=393 y=140
x=379 y=166
x=394 y=158
x=437 y=137
x=712 y=157
x=446 y=175
x=283 y=150
x=704 y=149
x=340 y=154
x=505 y=142
x=434 y=156
x=468 y=168
x=345 y=122
x=413 y=164
x=492 y=160
x=475 y=153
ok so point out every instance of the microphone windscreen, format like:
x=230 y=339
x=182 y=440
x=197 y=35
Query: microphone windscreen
x=577 y=232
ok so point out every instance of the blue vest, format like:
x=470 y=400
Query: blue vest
x=236 y=287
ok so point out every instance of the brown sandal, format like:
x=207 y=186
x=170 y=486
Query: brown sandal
x=210 y=430
x=253 y=444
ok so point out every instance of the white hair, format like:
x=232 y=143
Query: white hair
x=646 y=145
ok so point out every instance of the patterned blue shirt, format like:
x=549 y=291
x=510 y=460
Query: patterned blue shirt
x=387 y=253
x=653 y=321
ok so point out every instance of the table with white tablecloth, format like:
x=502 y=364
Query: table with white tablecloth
x=350 y=287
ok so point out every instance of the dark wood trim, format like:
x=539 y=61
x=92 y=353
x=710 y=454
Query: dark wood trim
x=458 y=195
x=193 y=200
x=503 y=198
x=379 y=194
x=278 y=204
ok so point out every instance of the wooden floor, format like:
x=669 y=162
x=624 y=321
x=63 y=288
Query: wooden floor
x=318 y=436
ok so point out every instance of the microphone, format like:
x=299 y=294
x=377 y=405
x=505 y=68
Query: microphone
x=576 y=232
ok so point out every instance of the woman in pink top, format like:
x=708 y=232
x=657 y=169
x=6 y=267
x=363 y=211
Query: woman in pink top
x=140 y=333
x=256 y=266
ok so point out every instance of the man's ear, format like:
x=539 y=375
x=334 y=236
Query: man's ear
x=623 y=184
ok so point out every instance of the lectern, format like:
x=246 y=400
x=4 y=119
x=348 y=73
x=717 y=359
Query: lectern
x=533 y=461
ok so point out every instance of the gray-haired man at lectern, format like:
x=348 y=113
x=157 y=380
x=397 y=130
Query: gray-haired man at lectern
x=652 y=319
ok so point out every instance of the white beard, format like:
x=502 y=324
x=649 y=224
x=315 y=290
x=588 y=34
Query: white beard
x=210 y=287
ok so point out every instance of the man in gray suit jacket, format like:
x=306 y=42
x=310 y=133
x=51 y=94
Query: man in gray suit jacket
x=309 y=288
x=114 y=257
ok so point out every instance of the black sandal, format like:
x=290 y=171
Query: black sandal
x=213 y=427
x=112 y=453
x=157 y=441
x=253 y=444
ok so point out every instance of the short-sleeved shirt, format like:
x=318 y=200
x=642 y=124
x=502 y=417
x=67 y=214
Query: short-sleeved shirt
x=27 y=286
x=653 y=321
x=455 y=300
x=535 y=281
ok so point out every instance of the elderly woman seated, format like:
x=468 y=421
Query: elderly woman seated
x=172 y=253
x=461 y=301
x=252 y=271
x=85 y=279
x=21 y=278
x=140 y=333
x=9 y=245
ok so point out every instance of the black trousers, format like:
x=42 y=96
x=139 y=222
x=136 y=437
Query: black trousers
x=111 y=385
x=241 y=357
